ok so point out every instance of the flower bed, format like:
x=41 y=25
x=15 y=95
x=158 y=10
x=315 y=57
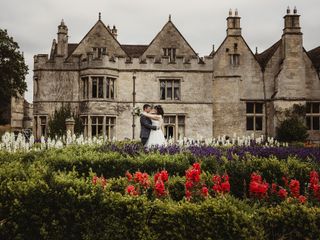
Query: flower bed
x=86 y=192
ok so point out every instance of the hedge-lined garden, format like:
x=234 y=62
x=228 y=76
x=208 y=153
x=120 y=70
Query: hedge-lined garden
x=121 y=191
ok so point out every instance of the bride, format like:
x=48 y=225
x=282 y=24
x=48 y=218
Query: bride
x=156 y=137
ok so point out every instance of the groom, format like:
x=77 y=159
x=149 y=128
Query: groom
x=146 y=125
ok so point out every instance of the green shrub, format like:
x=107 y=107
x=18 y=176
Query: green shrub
x=43 y=201
x=290 y=221
x=292 y=130
x=113 y=164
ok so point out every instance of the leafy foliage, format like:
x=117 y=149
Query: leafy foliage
x=12 y=67
x=13 y=71
x=293 y=128
x=57 y=124
x=50 y=195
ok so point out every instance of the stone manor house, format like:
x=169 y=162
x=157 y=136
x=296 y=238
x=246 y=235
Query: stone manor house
x=232 y=90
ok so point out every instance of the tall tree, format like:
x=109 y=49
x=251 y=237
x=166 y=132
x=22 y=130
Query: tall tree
x=13 y=69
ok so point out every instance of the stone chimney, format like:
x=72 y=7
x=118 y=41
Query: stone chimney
x=62 y=46
x=292 y=22
x=292 y=36
x=233 y=24
x=292 y=77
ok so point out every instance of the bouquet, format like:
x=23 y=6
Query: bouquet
x=136 y=111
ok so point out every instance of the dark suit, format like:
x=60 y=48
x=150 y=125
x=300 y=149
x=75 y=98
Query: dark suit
x=146 y=126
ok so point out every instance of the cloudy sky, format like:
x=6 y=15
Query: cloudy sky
x=33 y=23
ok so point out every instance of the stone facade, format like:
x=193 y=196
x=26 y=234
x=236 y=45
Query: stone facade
x=233 y=90
x=16 y=115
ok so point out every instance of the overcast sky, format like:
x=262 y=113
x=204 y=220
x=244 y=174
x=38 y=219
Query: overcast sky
x=33 y=23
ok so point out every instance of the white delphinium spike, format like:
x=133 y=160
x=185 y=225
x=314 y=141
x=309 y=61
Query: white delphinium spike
x=74 y=137
x=59 y=144
x=31 y=140
x=68 y=138
x=26 y=147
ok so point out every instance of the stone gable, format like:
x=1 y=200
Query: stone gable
x=99 y=36
x=169 y=37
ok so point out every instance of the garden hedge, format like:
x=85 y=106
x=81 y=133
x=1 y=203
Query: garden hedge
x=50 y=195
x=63 y=206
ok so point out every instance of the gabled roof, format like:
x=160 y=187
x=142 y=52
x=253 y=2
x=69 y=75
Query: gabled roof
x=314 y=55
x=264 y=57
x=134 y=50
x=168 y=24
x=97 y=23
x=212 y=54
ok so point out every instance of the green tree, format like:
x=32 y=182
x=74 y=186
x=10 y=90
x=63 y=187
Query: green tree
x=13 y=69
x=57 y=123
x=12 y=74
x=293 y=128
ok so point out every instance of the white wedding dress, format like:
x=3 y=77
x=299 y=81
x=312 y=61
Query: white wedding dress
x=156 y=137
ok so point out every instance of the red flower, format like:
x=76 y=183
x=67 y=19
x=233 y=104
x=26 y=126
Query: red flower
x=216 y=179
x=142 y=179
x=274 y=188
x=129 y=176
x=197 y=166
x=217 y=188
x=254 y=187
x=283 y=193
x=131 y=190
x=226 y=177
x=204 y=191
x=220 y=186
x=163 y=175
x=294 y=188
x=94 y=180
x=103 y=182
x=314 y=184
x=258 y=188
x=160 y=188
x=285 y=181
x=225 y=187
x=314 y=177
x=193 y=175
x=189 y=185
x=256 y=177
x=188 y=195
x=302 y=199
x=156 y=177
x=138 y=176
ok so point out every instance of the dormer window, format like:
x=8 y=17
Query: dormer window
x=234 y=60
x=98 y=51
x=171 y=53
